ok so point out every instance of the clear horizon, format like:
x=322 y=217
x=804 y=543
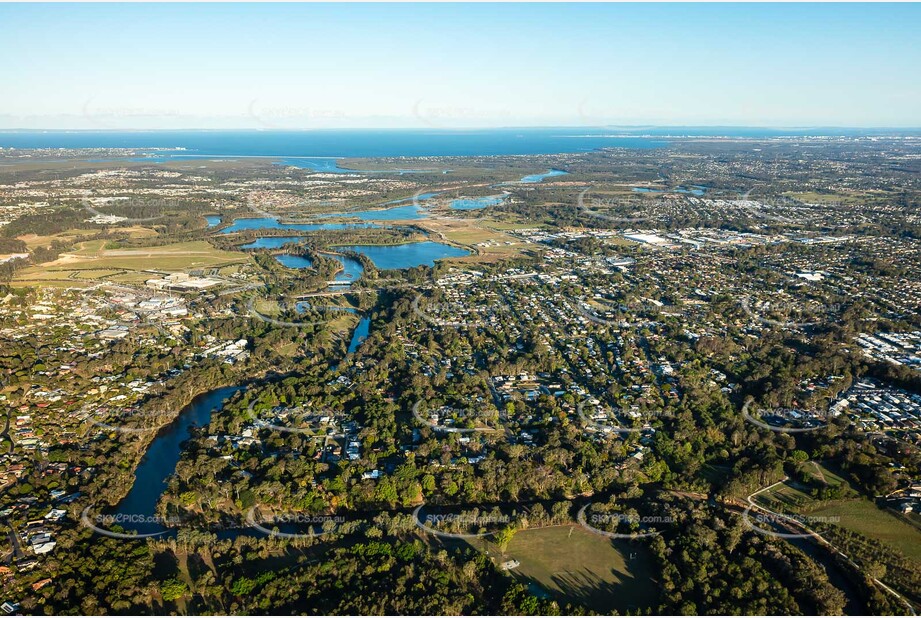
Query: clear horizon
x=632 y=129
x=446 y=66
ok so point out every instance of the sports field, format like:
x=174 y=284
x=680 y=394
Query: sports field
x=578 y=566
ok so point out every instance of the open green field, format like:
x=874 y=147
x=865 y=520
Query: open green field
x=508 y=225
x=848 y=198
x=856 y=514
x=91 y=261
x=577 y=566
x=866 y=518
x=34 y=240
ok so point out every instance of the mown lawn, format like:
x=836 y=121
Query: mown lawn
x=575 y=565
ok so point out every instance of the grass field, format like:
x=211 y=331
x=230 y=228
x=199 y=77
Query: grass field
x=851 y=198
x=34 y=240
x=472 y=233
x=869 y=520
x=577 y=566
x=855 y=514
x=91 y=262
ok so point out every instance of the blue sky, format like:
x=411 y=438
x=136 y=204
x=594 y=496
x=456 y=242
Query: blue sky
x=116 y=66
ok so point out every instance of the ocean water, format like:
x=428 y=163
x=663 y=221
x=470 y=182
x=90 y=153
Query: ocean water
x=294 y=147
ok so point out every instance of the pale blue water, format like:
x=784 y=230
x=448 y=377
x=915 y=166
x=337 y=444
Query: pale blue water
x=420 y=197
x=539 y=177
x=272 y=242
x=213 y=220
x=477 y=203
x=412 y=211
x=360 y=334
x=338 y=143
x=294 y=261
x=268 y=223
x=407 y=256
x=697 y=190
x=303 y=305
x=351 y=268
x=317 y=164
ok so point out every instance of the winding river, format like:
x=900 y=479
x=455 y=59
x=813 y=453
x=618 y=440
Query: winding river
x=137 y=511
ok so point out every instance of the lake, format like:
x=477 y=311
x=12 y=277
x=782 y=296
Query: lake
x=360 y=334
x=269 y=223
x=477 y=203
x=421 y=196
x=539 y=177
x=272 y=242
x=351 y=268
x=411 y=211
x=213 y=220
x=409 y=255
x=696 y=190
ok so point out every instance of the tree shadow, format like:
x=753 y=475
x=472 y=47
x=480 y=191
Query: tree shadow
x=583 y=587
